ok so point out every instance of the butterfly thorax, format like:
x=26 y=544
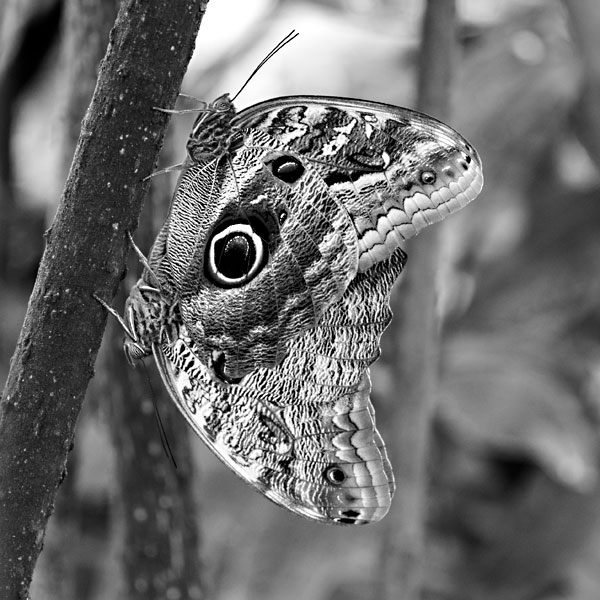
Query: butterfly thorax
x=213 y=135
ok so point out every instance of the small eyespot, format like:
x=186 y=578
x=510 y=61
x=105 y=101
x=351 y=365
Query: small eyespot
x=287 y=168
x=282 y=217
x=349 y=517
x=467 y=158
x=428 y=177
x=464 y=166
x=334 y=475
x=449 y=171
x=235 y=254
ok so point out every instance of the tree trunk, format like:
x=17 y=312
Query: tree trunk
x=416 y=340
x=150 y=46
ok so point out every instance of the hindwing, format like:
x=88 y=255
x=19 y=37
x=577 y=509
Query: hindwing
x=303 y=432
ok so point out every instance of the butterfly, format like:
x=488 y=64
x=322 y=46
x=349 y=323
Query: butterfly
x=267 y=289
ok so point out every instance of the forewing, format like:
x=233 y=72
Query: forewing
x=395 y=170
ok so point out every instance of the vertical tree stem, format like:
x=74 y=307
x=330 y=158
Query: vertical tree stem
x=85 y=27
x=585 y=21
x=148 y=52
x=416 y=333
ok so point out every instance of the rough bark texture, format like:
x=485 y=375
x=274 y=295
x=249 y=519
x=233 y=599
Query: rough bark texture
x=85 y=29
x=416 y=332
x=79 y=528
x=148 y=52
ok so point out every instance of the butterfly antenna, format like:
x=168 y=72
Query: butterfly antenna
x=292 y=35
x=164 y=440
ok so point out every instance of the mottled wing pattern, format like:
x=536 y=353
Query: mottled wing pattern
x=270 y=281
x=395 y=170
x=303 y=432
x=371 y=176
x=303 y=230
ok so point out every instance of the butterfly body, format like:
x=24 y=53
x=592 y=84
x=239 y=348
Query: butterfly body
x=269 y=285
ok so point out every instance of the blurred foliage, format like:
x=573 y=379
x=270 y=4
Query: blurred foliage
x=514 y=496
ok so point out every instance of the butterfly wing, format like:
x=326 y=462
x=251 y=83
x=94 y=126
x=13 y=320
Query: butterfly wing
x=254 y=260
x=262 y=241
x=275 y=268
x=395 y=170
x=303 y=433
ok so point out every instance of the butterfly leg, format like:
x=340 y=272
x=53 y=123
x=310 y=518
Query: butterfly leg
x=114 y=313
x=142 y=258
x=171 y=169
x=183 y=111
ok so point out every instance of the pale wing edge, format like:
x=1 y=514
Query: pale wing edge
x=246 y=116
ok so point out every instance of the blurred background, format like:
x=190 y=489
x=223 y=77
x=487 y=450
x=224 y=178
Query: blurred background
x=514 y=498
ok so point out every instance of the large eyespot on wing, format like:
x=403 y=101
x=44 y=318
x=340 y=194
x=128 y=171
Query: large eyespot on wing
x=395 y=170
x=242 y=297
x=235 y=253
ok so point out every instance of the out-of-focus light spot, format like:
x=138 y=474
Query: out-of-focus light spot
x=528 y=47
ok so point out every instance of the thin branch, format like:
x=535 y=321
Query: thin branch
x=148 y=52
x=585 y=21
x=416 y=334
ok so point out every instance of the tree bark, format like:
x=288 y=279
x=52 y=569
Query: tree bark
x=69 y=564
x=150 y=46
x=416 y=341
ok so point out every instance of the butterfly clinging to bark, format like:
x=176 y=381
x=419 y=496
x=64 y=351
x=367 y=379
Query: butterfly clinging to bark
x=267 y=289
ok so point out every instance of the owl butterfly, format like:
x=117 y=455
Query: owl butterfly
x=267 y=289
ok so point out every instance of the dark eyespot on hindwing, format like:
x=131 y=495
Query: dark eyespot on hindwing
x=235 y=253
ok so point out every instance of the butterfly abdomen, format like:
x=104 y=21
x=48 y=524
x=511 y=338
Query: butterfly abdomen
x=149 y=316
